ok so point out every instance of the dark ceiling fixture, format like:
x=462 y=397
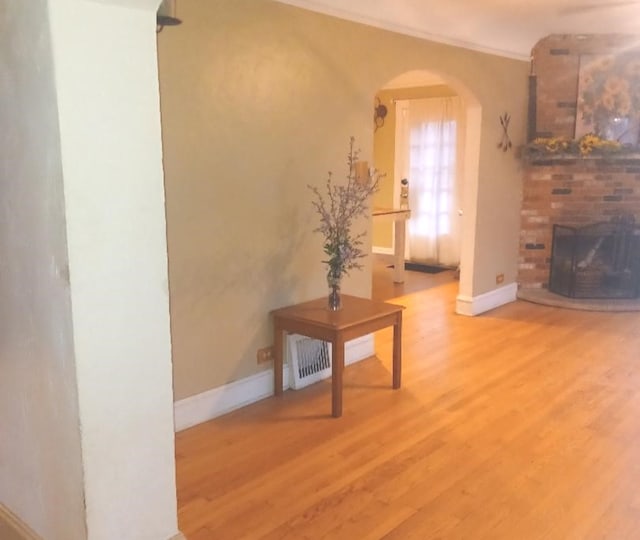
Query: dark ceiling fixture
x=167 y=15
x=379 y=114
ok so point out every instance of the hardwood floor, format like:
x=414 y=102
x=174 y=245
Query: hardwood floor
x=522 y=423
x=385 y=289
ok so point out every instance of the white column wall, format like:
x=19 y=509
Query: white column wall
x=40 y=459
x=106 y=76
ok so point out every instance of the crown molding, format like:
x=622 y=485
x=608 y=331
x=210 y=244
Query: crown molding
x=354 y=16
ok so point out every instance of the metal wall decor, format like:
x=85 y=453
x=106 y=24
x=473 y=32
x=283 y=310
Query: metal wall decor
x=379 y=114
x=505 y=141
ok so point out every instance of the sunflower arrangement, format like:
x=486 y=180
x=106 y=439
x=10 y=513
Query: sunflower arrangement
x=591 y=143
x=551 y=145
x=586 y=145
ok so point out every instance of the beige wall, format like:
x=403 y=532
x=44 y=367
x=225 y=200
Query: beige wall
x=258 y=100
x=384 y=146
x=41 y=478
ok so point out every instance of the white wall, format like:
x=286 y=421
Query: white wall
x=107 y=85
x=87 y=443
x=40 y=460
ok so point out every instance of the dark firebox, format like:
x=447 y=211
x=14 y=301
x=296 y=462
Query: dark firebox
x=596 y=261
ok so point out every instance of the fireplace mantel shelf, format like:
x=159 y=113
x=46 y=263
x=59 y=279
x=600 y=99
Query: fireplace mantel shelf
x=571 y=159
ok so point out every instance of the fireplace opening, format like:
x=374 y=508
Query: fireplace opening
x=601 y=260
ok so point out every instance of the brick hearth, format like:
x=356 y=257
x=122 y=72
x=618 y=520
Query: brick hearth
x=573 y=192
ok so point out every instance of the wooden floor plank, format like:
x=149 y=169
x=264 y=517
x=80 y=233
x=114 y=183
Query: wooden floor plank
x=520 y=423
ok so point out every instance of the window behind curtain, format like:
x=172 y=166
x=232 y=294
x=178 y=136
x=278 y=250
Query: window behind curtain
x=429 y=153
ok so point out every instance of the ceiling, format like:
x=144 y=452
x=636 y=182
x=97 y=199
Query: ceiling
x=505 y=27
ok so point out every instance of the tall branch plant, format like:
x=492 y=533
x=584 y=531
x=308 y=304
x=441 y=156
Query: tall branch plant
x=339 y=206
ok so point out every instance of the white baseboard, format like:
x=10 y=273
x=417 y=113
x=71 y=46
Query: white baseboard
x=13 y=528
x=379 y=250
x=468 y=305
x=202 y=407
x=178 y=536
x=359 y=349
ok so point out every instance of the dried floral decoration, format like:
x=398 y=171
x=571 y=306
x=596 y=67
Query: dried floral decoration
x=338 y=208
x=584 y=146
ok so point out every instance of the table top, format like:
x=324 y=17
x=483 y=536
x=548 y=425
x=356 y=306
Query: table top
x=355 y=310
x=399 y=212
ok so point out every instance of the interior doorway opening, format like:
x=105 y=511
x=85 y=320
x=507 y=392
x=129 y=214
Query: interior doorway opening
x=430 y=137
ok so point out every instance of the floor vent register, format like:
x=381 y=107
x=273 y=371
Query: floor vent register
x=309 y=360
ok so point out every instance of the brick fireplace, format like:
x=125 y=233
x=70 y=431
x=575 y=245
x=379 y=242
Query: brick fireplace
x=571 y=192
x=567 y=190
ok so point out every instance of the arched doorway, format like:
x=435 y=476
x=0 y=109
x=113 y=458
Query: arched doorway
x=425 y=85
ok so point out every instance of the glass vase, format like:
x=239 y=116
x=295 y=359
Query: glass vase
x=335 y=302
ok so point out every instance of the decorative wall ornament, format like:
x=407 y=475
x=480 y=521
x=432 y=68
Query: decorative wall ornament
x=505 y=141
x=379 y=114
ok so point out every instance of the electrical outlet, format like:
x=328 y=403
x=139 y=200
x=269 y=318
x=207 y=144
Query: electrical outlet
x=265 y=355
x=499 y=278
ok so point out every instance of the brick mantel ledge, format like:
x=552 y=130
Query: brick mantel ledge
x=615 y=160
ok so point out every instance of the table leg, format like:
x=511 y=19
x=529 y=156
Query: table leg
x=397 y=351
x=337 y=367
x=278 y=360
x=398 y=254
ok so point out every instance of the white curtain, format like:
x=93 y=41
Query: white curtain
x=430 y=155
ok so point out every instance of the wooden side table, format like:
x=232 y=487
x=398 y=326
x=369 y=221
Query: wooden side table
x=358 y=317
